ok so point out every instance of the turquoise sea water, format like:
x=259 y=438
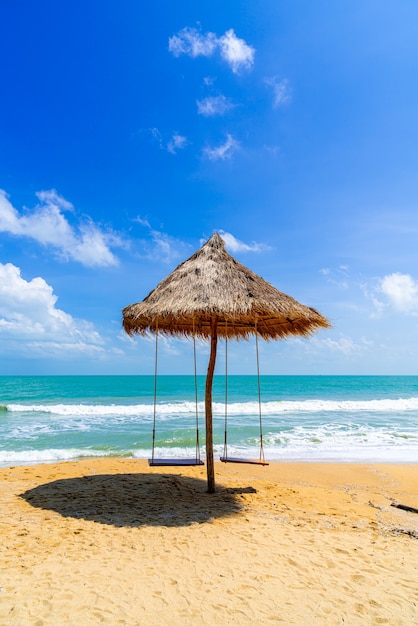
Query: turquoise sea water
x=341 y=418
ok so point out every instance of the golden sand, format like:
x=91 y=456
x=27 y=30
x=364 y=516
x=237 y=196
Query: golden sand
x=114 y=542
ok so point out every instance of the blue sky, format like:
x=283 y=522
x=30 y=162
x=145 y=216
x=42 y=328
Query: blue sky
x=130 y=132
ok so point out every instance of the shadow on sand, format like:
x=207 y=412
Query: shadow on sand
x=137 y=499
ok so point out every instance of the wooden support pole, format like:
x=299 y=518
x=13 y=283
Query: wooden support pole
x=208 y=406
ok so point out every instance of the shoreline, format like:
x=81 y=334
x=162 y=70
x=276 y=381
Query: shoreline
x=269 y=461
x=113 y=541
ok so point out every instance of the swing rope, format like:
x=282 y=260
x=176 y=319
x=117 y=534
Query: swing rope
x=225 y=455
x=262 y=458
x=155 y=393
x=225 y=459
x=196 y=398
x=173 y=461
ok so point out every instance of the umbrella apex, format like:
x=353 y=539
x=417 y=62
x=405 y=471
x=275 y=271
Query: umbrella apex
x=216 y=242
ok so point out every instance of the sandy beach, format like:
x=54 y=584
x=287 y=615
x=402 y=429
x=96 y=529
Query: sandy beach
x=112 y=541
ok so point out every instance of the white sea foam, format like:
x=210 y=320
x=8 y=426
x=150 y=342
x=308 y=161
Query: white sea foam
x=324 y=444
x=348 y=430
x=234 y=408
x=324 y=406
x=162 y=452
x=82 y=409
x=23 y=457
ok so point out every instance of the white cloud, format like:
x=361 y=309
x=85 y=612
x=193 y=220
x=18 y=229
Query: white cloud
x=30 y=321
x=397 y=292
x=214 y=105
x=339 y=276
x=379 y=306
x=235 y=245
x=51 y=197
x=166 y=248
x=47 y=225
x=272 y=150
x=162 y=246
x=401 y=290
x=224 y=151
x=177 y=142
x=281 y=91
x=345 y=345
x=156 y=135
x=191 y=42
x=235 y=51
x=142 y=220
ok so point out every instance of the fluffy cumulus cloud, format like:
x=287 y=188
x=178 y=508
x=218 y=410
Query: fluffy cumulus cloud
x=238 y=54
x=31 y=322
x=214 y=105
x=223 y=151
x=47 y=224
x=401 y=290
x=235 y=51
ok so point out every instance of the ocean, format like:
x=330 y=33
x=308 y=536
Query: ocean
x=304 y=418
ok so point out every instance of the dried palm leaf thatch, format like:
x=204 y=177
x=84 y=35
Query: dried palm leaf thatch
x=212 y=283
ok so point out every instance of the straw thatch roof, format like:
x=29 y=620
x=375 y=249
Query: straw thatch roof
x=212 y=283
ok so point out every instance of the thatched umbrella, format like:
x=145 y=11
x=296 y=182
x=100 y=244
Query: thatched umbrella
x=211 y=295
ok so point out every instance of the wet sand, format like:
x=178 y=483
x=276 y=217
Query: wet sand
x=112 y=541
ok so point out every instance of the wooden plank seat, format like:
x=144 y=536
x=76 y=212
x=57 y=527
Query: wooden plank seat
x=166 y=462
x=237 y=459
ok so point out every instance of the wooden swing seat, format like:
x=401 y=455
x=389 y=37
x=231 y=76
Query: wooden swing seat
x=173 y=462
x=237 y=459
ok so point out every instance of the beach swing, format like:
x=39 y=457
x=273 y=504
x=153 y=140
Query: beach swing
x=234 y=459
x=153 y=461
